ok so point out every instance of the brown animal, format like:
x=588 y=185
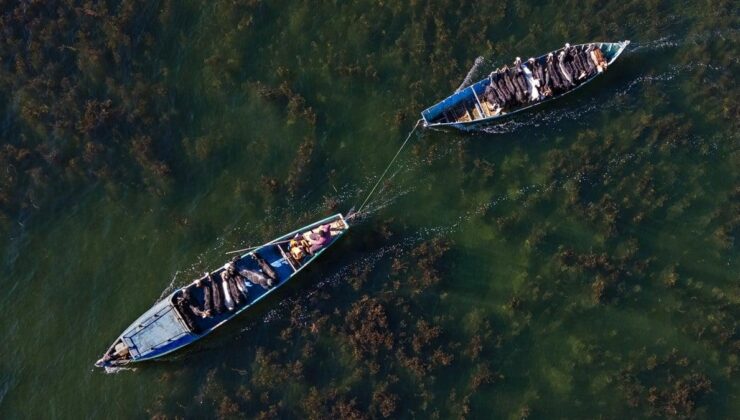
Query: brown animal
x=598 y=58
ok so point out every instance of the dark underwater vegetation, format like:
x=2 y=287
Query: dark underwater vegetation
x=578 y=261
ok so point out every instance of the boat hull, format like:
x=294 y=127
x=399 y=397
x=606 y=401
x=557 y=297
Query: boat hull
x=432 y=115
x=164 y=329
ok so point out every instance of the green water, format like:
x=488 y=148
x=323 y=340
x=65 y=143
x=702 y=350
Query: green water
x=577 y=262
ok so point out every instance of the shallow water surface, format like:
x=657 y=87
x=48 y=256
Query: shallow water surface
x=578 y=261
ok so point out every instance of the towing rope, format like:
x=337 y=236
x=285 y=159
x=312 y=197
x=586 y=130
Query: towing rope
x=359 y=210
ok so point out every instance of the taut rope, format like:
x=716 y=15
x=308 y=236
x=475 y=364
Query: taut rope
x=359 y=210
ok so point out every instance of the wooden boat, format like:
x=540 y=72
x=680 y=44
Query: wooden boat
x=468 y=108
x=170 y=324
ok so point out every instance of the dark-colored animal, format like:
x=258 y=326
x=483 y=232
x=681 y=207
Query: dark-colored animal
x=256 y=278
x=192 y=304
x=555 y=78
x=586 y=59
x=520 y=80
x=216 y=294
x=567 y=78
x=183 y=306
x=502 y=99
x=579 y=71
x=207 y=297
x=230 y=277
x=579 y=58
x=222 y=284
x=239 y=280
x=493 y=96
x=501 y=84
x=265 y=266
x=233 y=290
x=543 y=76
x=511 y=85
x=490 y=94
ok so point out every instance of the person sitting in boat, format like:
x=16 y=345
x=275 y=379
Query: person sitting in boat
x=318 y=239
x=119 y=352
x=490 y=94
x=511 y=85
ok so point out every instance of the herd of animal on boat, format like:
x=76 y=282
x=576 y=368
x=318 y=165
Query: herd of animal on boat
x=228 y=291
x=536 y=80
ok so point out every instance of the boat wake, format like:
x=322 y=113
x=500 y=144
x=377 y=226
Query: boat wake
x=654 y=45
x=550 y=118
x=675 y=41
x=544 y=118
x=110 y=370
x=667 y=76
x=380 y=203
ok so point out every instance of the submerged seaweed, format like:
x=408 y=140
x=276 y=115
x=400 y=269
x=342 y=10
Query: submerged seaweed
x=582 y=260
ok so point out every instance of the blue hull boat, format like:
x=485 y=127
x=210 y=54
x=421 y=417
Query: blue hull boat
x=179 y=319
x=468 y=109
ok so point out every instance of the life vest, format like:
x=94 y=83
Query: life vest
x=296 y=250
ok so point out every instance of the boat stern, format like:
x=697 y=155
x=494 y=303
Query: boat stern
x=159 y=331
x=118 y=354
